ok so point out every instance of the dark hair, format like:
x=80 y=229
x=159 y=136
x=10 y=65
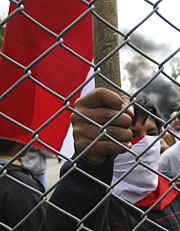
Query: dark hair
x=6 y=145
x=147 y=104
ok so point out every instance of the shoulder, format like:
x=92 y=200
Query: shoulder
x=171 y=151
x=19 y=187
x=18 y=173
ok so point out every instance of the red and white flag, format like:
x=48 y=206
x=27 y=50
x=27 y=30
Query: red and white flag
x=29 y=104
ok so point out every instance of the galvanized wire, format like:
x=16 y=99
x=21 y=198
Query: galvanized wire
x=127 y=41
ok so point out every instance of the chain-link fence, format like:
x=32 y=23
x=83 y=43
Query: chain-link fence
x=140 y=216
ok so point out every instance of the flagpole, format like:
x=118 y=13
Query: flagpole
x=104 y=41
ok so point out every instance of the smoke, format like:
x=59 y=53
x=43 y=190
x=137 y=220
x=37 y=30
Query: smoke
x=139 y=70
x=162 y=91
x=147 y=44
x=164 y=94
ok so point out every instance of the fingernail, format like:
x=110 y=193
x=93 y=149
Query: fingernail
x=129 y=111
x=129 y=145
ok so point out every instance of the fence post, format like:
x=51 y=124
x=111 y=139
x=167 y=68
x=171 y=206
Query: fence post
x=104 y=41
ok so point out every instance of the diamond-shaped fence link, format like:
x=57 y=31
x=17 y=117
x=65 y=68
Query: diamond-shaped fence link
x=124 y=41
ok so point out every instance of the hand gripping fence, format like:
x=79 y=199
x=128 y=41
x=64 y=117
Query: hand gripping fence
x=125 y=41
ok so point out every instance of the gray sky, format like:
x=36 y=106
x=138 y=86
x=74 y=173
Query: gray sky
x=130 y=12
x=4 y=4
x=155 y=33
x=157 y=38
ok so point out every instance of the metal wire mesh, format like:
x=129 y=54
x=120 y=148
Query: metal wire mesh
x=125 y=41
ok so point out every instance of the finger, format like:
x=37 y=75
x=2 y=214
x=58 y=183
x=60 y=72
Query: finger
x=100 y=97
x=119 y=134
x=130 y=110
x=102 y=116
x=87 y=131
x=111 y=149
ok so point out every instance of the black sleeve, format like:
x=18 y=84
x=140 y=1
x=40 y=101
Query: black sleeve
x=18 y=201
x=76 y=195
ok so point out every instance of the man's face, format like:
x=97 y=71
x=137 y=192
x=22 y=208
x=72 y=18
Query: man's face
x=148 y=128
x=175 y=124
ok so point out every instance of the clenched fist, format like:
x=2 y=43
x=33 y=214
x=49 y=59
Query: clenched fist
x=101 y=105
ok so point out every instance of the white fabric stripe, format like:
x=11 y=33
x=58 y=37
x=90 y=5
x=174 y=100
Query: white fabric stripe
x=67 y=148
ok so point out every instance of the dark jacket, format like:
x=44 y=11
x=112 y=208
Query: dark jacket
x=77 y=194
x=16 y=200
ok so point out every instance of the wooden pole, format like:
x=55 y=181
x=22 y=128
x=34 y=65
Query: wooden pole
x=104 y=41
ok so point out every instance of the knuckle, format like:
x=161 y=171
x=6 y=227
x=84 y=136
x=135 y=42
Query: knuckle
x=126 y=98
x=76 y=132
x=112 y=148
x=107 y=115
x=81 y=144
x=127 y=120
x=74 y=118
x=102 y=93
x=120 y=134
x=99 y=92
x=129 y=134
x=76 y=104
x=112 y=131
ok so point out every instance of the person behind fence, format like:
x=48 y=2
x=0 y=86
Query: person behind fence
x=17 y=200
x=170 y=160
x=175 y=127
x=35 y=161
x=80 y=197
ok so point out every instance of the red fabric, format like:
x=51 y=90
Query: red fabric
x=135 y=140
x=163 y=186
x=24 y=41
